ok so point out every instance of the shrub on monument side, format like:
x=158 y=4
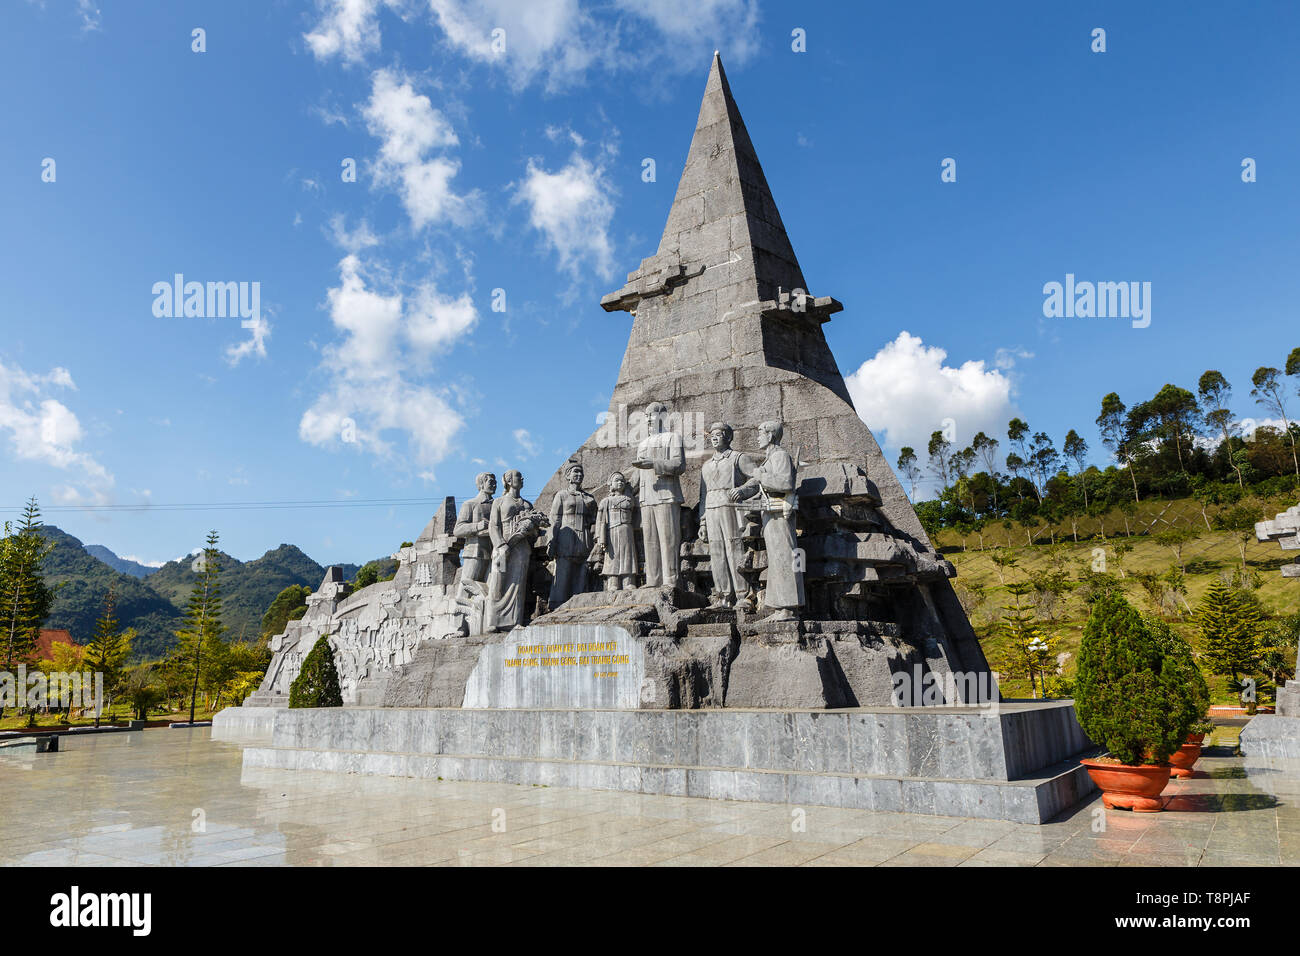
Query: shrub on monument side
x=317 y=684
x=1131 y=690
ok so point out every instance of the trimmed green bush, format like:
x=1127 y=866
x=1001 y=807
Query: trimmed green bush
x=1134 y=692
x=317 y=684
x=1180 y=664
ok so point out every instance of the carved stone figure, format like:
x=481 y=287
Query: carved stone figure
x=660 y=458
x=615 y=535
x=573 y=513
x=776 y=480
x=472 y=526
x=721 y=522
x=513 y=526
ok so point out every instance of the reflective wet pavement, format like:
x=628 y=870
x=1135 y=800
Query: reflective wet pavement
x=177 y=798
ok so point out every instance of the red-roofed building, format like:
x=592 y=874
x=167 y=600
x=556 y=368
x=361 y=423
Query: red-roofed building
x=49 y=637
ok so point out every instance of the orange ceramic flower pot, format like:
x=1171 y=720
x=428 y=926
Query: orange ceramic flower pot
x=1129 y=786
x=1181 y=760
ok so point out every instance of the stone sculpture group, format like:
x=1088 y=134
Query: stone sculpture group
x=587 y=540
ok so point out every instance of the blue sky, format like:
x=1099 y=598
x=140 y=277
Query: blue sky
x=483 y=168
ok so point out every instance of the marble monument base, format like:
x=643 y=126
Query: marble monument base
x=660 y=648
x=1018 y=762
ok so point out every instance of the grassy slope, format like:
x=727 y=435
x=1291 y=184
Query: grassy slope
x=1205 y=558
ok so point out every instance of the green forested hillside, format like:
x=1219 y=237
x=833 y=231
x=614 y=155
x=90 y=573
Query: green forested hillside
x=1163 y=561
x=247 y=587
x=82 y=581
x=153 y=606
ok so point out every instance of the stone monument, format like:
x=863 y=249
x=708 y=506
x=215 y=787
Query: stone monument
x=809 y=587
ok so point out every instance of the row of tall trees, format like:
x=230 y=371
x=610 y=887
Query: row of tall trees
x=1177 y=443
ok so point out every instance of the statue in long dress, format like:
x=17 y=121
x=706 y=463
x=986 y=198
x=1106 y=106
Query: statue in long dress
x=573 y=513
x=660 y=459
x=721 y=522
x=472 y=527
x=513 y=525
x=615 y=535
x=776 y=480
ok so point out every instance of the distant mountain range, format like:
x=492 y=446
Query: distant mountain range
x=152 y=600
x=125 y=565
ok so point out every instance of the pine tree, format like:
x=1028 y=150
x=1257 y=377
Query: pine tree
x=202 y=626
x=108 y=648
x=1229 y=620
x=24 y=598
x=1022 y=633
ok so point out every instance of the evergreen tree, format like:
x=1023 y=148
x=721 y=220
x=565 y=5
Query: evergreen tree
x=108 y=648
x=317 y=684
x=1021 y=630
x=1180 y=664
x=202 y=628
x=1132 y=692
x=1229 y=620
x=24 y=598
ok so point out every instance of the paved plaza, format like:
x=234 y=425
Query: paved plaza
x=177 y=798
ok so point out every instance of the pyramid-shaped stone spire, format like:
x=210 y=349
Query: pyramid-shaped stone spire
x=726 y=329
x=723 y=220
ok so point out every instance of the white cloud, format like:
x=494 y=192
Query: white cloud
x=388 y=338
x=410 y=128
x=255 y=344
x=90 y=15
x=1006 y=358
x=348 y=29
x=905 y=392
x=573 y=210
x=552 y=37
x=527 y=446
x=359 y=238
x=43 y=429
x=559 y=41
x=434 y=320
x=693 y=29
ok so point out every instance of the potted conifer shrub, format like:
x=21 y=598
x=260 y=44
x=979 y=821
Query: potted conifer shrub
x=1132 y=697
x=1180 y=663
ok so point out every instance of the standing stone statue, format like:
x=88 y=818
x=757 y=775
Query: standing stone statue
x=615 y=538
x=721 y=523
x=660 y=458
x=514 y=526
x=472 y=526
x=573 y=513
x=775 y=478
